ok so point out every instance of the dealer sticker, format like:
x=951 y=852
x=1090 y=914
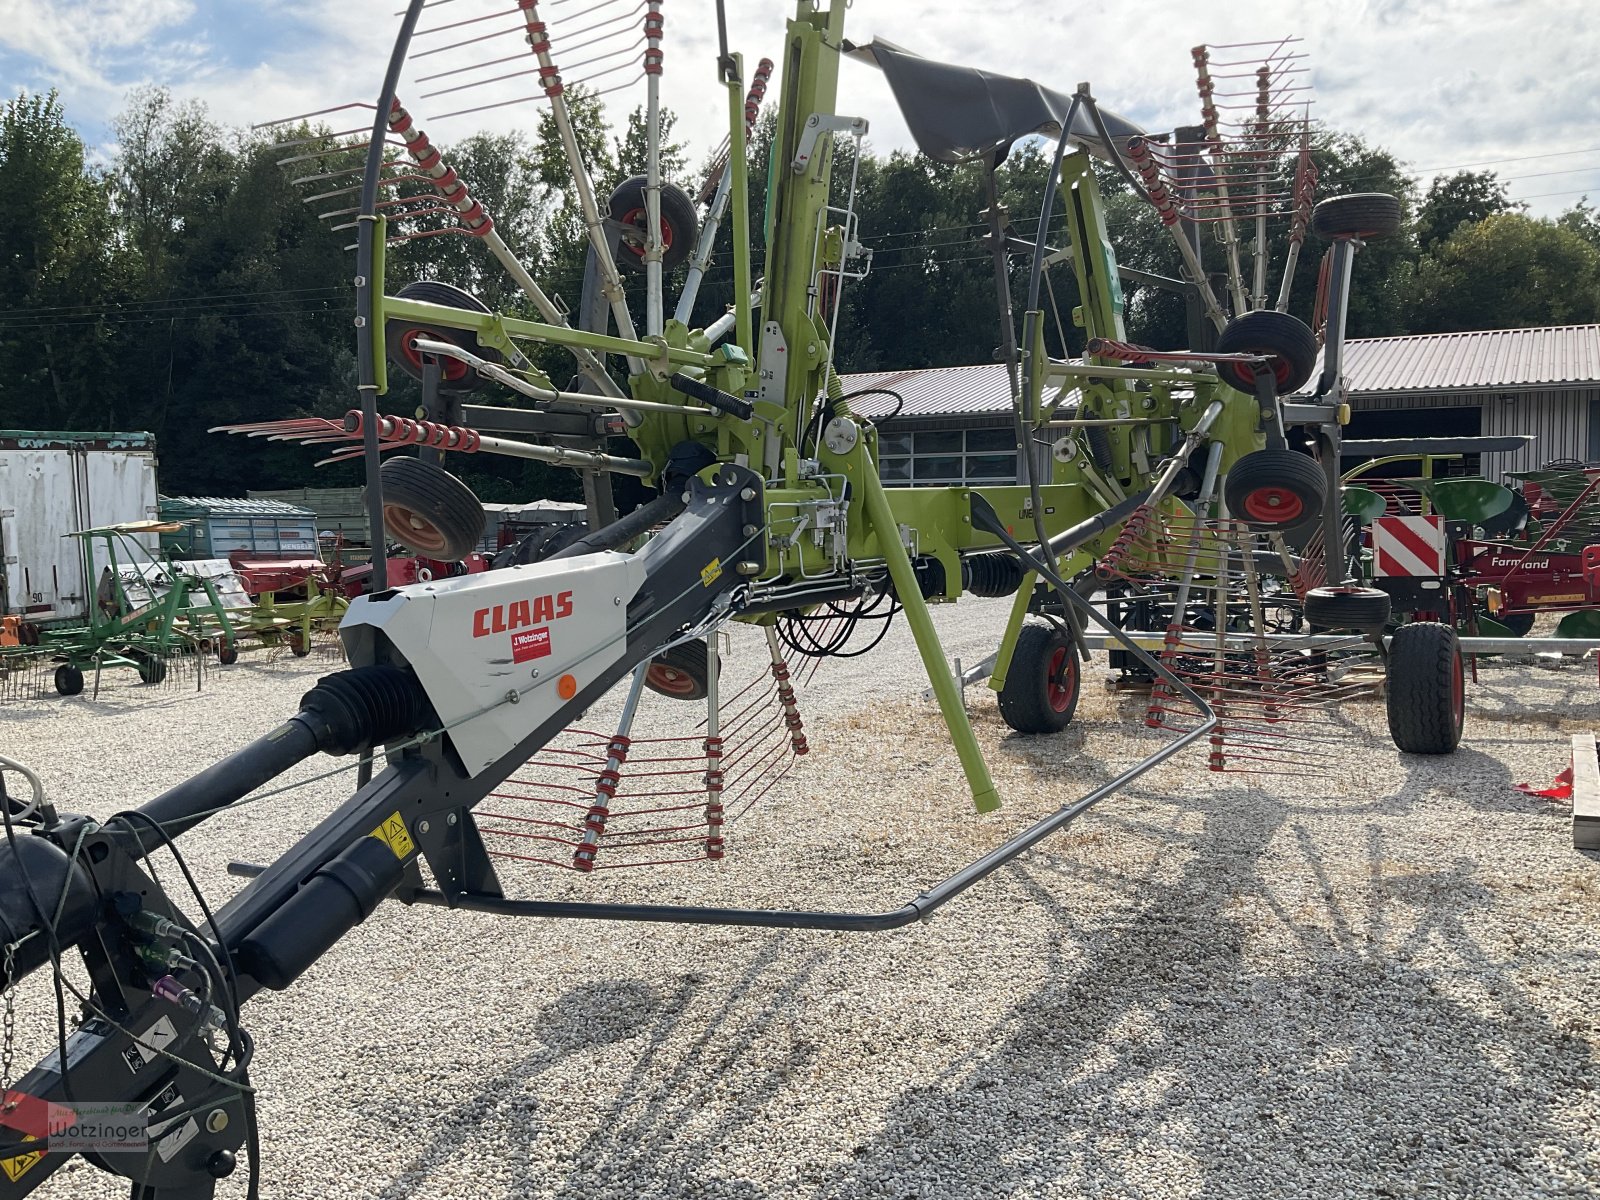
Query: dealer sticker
x=530 y=644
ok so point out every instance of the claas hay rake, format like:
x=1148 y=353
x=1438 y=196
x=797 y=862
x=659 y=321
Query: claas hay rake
x=1173 y=481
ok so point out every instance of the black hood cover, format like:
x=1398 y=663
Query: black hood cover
x=960 y=113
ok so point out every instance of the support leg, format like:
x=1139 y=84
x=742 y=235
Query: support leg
x=945 y=689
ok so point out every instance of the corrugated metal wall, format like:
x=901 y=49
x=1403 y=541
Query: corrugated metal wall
x=1557 y=420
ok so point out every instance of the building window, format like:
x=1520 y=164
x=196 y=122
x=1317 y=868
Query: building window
x=944 y=457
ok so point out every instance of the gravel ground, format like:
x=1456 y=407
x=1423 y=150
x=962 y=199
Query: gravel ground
x=1376 y=978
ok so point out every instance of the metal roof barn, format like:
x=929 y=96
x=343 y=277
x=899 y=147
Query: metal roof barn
x=1499 y=359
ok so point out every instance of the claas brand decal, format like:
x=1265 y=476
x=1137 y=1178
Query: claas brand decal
x=527 y=621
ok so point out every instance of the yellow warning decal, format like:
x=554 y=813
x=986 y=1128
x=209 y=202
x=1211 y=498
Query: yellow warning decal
x=393 y=834
x=15 y=1168
x=711 y=572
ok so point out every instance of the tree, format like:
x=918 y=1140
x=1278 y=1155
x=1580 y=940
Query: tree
x=1507 y=270
x=1457 y=200
x=59 y=271
x=1583 y=220
x=171 y=165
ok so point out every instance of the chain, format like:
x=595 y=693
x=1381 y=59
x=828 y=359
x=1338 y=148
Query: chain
x=8 y=1036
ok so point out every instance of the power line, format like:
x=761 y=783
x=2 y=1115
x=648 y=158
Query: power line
x=135 y=305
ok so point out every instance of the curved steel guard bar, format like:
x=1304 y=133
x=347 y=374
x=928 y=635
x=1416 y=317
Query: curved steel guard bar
x=923 y=905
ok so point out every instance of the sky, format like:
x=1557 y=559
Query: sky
x=1444 y=85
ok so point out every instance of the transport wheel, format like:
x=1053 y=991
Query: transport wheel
x=679 y=224
x=1362 y=215
x=227 y=653
x=151 y=669
x=1275 y=489
x=299 y=643
x=1041 y=690
x=1287 y=340
x=1363 y=609
x=681 y=673
x=429 y=511
x=69 y=680
x=400 y=336
x=1427 y=688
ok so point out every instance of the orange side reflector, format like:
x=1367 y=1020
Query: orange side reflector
x=567 y=687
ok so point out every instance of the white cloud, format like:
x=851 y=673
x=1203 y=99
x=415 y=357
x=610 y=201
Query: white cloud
x=74 y=41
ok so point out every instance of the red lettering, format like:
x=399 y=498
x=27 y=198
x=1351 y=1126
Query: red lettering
x=521 y=613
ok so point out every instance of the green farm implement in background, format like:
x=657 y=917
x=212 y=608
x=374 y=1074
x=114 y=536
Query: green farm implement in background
x=148 y=613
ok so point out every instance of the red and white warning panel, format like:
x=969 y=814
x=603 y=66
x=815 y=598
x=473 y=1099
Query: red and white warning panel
x=1408 y=547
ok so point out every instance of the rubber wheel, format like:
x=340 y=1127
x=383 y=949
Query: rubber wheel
x=429 y=511
x=1362 y=215
x=28 y=634
x=152 y=670
x=1288 y=340
x=1427 y=688
x=1363 y=609
x=680 y=226
x=69 y=680
x=1519 y=624
x=681 y=673
x=1041 y=691
x=299 y=644
x=1275 y=489
x=227 y=653
x=399 y=336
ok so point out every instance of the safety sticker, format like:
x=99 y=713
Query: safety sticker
x=169 y=1136
x=19 y=1165
x=393 y=834
x=711 y=572
x=143 y=1052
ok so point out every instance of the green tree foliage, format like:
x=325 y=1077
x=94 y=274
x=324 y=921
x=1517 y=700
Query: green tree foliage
x=1507 y=270
x=58 y=272
x=1458 y=200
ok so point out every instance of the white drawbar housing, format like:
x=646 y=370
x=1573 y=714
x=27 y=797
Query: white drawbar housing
x=492 y=650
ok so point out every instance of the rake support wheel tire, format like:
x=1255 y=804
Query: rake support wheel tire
x=1365 y=610
x=680 y=225
x=69 y=680
x=1427 y=688
x=152 y=670
x=1287 y=341
x=1361 y=214
x=398 y=335
x=1275 y=489
x=681 y=673
x=1041 y=690
x=227 y=653
x=429 y=511
x=299 y=644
